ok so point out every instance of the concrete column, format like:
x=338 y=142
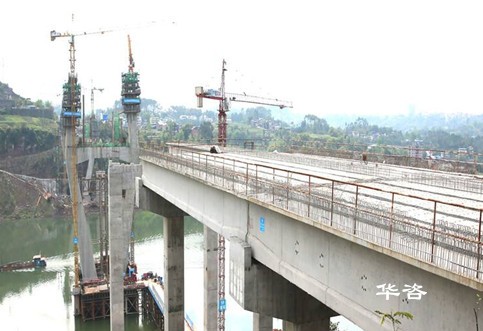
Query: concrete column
x=174 y=273
x=121 y=179
x=132 y=136
x=210 y=264
x=310 y=326
x=262 y=322
x=116 y=268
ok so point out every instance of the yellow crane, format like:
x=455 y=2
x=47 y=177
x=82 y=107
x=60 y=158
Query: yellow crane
x=70 y=118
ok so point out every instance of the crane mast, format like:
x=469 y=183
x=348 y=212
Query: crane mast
x=222 y=109
x=93 y=130
x=131 y=60
x=92 y=98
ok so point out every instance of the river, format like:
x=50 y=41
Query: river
x=41 y=299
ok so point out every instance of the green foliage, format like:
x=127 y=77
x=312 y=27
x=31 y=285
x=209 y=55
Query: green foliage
x=186 y=131
x=26 y=137
x=313 y=124
x=247 y=116
x=334 y=326
x=278 y=145
x=315 y=132
x=206 y=131
x=7 y=204
x=394 y=318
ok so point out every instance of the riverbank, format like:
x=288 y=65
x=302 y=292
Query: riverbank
x=25 y=198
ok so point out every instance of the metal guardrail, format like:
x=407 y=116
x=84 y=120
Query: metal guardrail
x=416 y=226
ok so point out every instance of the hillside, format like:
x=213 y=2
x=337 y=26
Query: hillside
x=33 y=123
x=23 y=198
x=25 y=127
x=8 y=98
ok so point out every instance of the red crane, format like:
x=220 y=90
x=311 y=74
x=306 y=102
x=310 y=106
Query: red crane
x=225 y=98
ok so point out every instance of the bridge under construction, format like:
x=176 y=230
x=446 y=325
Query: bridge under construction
x=421 y=220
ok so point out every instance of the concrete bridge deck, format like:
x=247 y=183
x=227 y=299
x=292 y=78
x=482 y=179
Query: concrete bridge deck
x=370 y=221
x=394 y=207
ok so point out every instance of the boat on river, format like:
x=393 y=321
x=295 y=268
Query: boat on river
x=38 y=261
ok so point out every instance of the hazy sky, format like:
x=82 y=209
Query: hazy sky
x=344 y=56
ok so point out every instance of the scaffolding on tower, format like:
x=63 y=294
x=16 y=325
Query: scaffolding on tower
x=131 y=91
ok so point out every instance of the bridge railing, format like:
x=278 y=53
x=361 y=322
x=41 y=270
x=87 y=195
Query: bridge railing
x=442 y=233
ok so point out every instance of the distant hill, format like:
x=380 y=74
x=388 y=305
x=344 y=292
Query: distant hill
x=8 y=98
x=26 y=129
x=466 y=124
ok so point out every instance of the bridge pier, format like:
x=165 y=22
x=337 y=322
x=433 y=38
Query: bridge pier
x=262 y=322
x=174 y=272
x=210 y=279
x=173 y=226
x=260 y=290
x=121 y=178
x=311 y=326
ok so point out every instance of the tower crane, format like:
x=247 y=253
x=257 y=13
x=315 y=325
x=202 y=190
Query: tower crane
x=92 y=97
x=225 y=98
x=70 y=115
x=93 y=130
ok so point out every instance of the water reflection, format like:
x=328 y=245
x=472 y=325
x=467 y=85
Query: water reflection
x=34 y=299
x=37 y=299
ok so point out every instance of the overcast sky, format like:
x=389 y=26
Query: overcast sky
x=344 y=56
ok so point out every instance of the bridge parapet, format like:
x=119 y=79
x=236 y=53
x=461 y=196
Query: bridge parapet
x=412 y=228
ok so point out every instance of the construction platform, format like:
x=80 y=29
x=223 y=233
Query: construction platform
x=92 y=301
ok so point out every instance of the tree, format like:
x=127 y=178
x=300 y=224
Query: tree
x=206 y=131
x=39 y=104
x=186 y=129
x=317 y=125
x=334 y=326
x=394 y=318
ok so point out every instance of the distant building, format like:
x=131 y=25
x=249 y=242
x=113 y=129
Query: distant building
x=415 y=150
